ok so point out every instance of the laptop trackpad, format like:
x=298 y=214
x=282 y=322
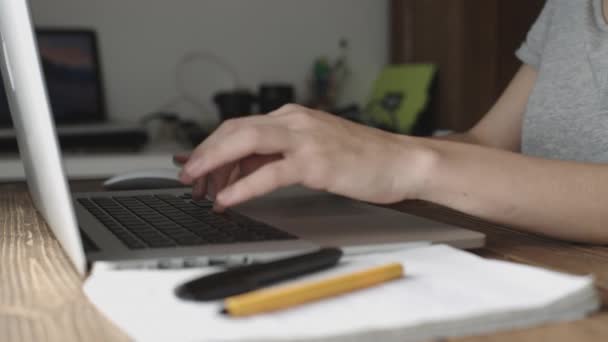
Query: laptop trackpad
x=333 y=220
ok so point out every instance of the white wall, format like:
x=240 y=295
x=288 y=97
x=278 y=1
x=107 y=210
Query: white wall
x=265 y=40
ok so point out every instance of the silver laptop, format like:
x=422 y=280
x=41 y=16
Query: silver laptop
x=165 y=228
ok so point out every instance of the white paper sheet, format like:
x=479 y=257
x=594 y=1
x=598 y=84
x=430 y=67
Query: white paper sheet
x=445 y=291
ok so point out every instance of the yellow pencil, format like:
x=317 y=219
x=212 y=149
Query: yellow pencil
x=288 y=296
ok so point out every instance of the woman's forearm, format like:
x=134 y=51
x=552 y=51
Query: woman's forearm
x=567 y=200
x=466 y=137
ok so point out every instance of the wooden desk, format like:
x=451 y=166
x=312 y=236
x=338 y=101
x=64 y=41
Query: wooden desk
x=41 y=297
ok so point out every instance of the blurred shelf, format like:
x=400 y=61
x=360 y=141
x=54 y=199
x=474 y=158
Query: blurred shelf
x=82 y=167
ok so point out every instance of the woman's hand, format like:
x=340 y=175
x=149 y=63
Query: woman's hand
x=249 y=157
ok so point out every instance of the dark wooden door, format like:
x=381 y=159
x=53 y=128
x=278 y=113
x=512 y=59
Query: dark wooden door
x=473 y=43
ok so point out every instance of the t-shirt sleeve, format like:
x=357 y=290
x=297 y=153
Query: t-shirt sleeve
x=531 y=51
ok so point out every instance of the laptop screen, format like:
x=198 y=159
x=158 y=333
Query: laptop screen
x=71 y=71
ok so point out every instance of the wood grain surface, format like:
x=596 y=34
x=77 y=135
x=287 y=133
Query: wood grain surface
x=41 y=297
x=40 y=292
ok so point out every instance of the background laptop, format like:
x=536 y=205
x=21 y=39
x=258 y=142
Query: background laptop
x=166 y=228
x=74 y=81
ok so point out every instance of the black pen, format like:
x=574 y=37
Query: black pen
x=251 y=277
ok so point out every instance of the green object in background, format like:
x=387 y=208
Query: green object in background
x=399 y=96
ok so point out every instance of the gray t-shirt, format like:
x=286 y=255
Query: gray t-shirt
x=567 y=114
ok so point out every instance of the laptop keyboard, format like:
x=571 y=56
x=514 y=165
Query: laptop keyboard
x=87 y=243
x=165 y=221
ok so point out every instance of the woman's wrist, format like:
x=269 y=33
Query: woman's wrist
x=451 y=173
x=419 y=166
